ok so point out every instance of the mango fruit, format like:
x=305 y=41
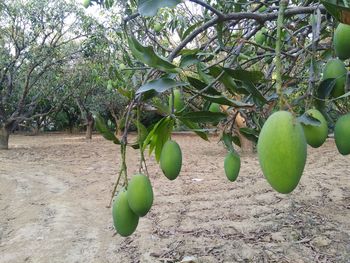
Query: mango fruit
x=86 y=3
x=178 y=101
x=342 y=134
x=282 y=151
x=171 y=159
x=341 y=41
x=214 y=107
x=335 y=68
x=232 y=165
x=260 y=36
x=157 y=27
x=316 y=135
x=124 y=219
x=140 y=194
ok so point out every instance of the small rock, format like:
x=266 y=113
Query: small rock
x=294 y=236
x=247 y=253
x=277 y=236
x=321 y=241
x=189 y=259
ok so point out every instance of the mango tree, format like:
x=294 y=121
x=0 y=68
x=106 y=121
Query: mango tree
x=255 y=58
x=36 y=44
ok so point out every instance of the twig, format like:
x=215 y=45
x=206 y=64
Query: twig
x=209 y=7
x=279 y=83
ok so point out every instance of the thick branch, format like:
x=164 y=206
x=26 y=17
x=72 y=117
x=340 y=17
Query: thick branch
x=261 y=18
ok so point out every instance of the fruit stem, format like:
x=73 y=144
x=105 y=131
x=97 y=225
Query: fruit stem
x=282 y=7
x=142 y=155
x=124 y=168
x=172 y=102
x=115 y=188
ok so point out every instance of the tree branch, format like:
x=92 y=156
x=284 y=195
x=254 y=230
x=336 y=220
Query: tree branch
x=209 y=7
x=261 y=18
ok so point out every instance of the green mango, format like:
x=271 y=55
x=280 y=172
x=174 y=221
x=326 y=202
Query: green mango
x=124 y=219
x=316 y=135
x=335 y=68
x=341 y=41
x=171 y=159
x=282 y=151
x=232 y=165
x=178 y=101
x=260 y=36
x=140 y=194
x=122 y=66
x=86 y=3
x=342 y=134
x=214 y=107
x=157 y=27
x=262 y=9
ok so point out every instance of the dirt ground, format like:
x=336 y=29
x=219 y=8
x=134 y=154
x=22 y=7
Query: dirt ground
x=54 y=190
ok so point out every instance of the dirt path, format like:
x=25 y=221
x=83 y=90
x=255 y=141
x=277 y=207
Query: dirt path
x=54 y=189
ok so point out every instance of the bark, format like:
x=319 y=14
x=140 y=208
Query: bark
x=35 y=130
x=119 y=132
x=4 y=138
x=89 y=126
x=37 y=126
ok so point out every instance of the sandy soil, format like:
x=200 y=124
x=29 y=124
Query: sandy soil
x=54 y=190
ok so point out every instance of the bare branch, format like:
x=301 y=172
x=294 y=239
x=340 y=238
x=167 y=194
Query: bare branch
x=209 y=7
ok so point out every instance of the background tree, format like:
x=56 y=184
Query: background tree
x=37 y=42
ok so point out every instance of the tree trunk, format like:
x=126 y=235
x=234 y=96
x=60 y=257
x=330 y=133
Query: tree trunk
x=4 y=138
x=35 y=130
x=89 y=126
x=88 y=134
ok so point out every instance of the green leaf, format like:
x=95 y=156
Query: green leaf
x=194 y=127
x=108 y=4
x=245 y=75
x=325 y=88
x=204 y=77
x=150 y=7
x=225 y=78
x=226 y=101
x=147 y=56
x=199 y=85
x=158 y=136
x=338 y=9
x=126 y=93
x=160 y=85
x=151 y=133
x=235 y=140
x=162 y=135
x=250 y=134
x=188 y=60
x=227 y=140
x=203 y=116
x=323 y=91
x=161 y=107
x=250 y=87
x=102 y=127
x=307 y=119
x=190 y=29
